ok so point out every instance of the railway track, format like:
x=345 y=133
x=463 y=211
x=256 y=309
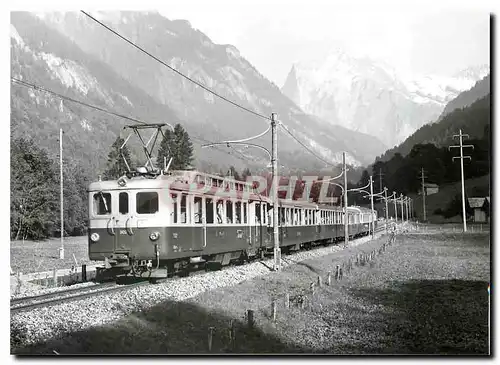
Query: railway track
x=54 y=298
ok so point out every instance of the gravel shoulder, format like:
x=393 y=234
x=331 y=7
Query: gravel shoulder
x=425 y=294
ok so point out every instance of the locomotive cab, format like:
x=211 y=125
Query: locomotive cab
x=121 y=219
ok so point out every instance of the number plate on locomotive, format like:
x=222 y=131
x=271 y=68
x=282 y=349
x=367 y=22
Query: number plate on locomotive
x=123 y=231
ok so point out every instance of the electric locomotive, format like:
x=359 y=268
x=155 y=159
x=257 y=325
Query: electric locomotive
x=155 y=225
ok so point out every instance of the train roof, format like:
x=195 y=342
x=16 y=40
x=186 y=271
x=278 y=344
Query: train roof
x=195 y=181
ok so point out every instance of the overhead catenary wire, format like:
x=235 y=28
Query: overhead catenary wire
x=200 y=84
x=40 y=88
x=303 y=145
x=175 y=70
x=133 y=119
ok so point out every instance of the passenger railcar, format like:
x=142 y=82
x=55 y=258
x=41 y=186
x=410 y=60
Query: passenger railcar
x=154 y=226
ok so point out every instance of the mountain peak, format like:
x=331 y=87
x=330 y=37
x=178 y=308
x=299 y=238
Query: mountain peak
x=370 y=96
x=473 y=72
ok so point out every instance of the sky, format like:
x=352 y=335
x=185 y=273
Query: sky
x=424 y=37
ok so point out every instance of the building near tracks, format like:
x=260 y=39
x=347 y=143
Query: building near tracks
x=481 y=208
x=430 y=189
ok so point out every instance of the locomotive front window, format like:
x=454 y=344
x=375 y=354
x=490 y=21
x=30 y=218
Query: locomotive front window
x=146 y=203
x=102 y=203
x=123 y=203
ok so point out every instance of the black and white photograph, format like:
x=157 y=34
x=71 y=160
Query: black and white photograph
x=251 y=178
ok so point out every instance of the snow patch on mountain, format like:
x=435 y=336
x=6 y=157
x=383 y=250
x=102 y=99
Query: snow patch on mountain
x=85 y=124
x=125 y=99
x=370 y=96
x=15 y=35
x=71 y=74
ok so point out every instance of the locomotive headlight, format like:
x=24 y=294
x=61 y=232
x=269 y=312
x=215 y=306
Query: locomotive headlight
x=94 y=237
x=154 y=236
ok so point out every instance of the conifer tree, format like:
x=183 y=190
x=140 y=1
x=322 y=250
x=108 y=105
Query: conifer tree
x=116 y=166
x=246 y=172
x=177 y=145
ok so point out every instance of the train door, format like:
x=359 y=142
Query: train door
x=257 y=223
x=199 y=210
x=124 y=236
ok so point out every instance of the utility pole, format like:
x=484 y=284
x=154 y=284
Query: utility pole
x=462 y=146
x=395 y=206
x=386 y=210
x=346 y=229
x=61 y=250
x=371 y=196
x=402 y=212
x=277 y=250
x=423 y=193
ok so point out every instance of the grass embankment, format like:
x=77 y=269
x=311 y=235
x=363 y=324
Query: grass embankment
x=426 y=294
x=36 y=256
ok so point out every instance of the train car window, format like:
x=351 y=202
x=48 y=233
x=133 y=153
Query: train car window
x=229 y=211
x=174 y=210
x=102 y=203
x=209 y=210
x=183 y=209
x=220 y=211
x=237 y=211
x=147 y=202
x=198 y=210
x=123 y=203
x=257 y=213
x=245 y=213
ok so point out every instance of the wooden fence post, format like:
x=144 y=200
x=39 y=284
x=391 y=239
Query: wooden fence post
x=329 y=279
x=19 y=282
x=273 y=310
x=210 y=335
x=312 y=288
x=287 y=300
x=84 y=273
x=337 y=274
x=320 y=282
x=55 y=277
x=250 y=318
x=232 y=334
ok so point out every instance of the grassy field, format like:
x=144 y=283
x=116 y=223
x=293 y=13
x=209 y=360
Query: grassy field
x=426 y=294
x=36 y=256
